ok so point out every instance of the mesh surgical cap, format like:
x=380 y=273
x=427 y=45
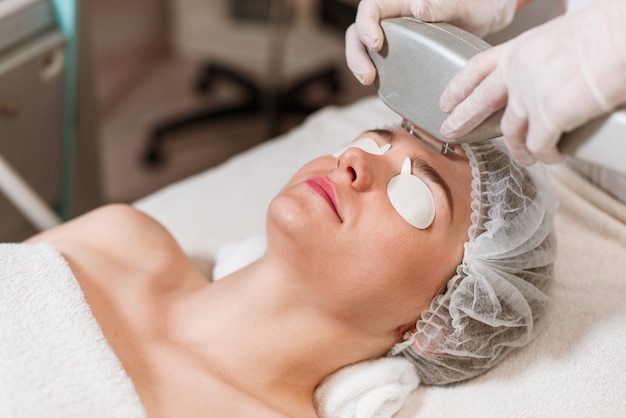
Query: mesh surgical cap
x=499 y=295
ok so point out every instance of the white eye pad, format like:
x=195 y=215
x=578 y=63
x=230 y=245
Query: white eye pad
x=366 y=144
x=411 y=197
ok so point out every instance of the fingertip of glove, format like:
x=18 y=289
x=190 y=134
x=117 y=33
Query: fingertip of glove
x=445 y=104
x=525 y=159
x=422 y=11
x=448 y=129
x=365 y=78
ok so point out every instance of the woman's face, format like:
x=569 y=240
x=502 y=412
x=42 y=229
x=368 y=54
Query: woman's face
x=336 y=225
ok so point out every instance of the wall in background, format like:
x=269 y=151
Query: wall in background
x=535 y=13
x=127 y=37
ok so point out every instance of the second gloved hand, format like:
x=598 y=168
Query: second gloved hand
x=479 y=17
x=552 y=79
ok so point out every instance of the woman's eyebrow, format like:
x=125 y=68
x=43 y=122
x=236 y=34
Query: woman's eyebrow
x=427 y=170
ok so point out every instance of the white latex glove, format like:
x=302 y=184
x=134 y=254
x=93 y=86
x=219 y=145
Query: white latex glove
x=551 y=79
x=479 y=17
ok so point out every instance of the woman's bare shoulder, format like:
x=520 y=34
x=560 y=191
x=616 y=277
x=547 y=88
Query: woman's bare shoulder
x=113 y=227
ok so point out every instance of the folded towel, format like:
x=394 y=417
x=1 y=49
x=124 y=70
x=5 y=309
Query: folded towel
x=54 y=359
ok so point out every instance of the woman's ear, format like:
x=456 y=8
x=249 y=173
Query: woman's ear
x=406 y=331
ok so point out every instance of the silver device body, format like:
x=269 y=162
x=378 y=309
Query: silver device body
x=419 y=59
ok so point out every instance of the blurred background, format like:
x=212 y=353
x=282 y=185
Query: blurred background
x=166 y=88
x=244 y=70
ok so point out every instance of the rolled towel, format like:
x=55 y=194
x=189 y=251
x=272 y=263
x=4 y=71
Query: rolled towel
x=369 y=389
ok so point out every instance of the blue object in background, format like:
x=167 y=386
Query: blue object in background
x=67 y=12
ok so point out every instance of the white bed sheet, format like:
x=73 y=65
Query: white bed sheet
x=576 y=367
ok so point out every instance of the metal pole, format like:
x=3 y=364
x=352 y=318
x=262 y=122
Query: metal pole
x=19 y=192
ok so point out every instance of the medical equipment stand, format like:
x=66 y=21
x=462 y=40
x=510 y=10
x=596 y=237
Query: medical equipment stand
x=264 y=97
x=19 y=192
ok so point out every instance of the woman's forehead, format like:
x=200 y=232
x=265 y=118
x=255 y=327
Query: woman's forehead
x=419 y=141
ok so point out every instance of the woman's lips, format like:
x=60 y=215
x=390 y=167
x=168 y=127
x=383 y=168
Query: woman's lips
x=326 y=190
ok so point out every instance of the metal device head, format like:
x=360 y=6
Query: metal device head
x=414 y=67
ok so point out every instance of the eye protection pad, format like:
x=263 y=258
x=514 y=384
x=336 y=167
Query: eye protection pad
x=366 y=144
x=411 y=197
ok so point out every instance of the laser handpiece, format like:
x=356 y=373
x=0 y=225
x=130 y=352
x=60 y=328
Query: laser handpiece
x=418 y=60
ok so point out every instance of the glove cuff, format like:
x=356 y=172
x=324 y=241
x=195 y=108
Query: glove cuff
x=604 y=57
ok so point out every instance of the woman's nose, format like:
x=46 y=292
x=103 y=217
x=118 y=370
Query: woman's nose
x=356 y=166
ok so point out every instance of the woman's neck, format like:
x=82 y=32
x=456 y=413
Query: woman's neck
x=260 y=332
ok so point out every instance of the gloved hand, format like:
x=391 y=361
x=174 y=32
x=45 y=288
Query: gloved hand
x=479 y=17
x=551 y=79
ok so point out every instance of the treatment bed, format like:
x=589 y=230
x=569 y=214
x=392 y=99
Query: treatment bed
x=576 y=367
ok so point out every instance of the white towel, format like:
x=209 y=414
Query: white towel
x=370 y=389
x=54 y=359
